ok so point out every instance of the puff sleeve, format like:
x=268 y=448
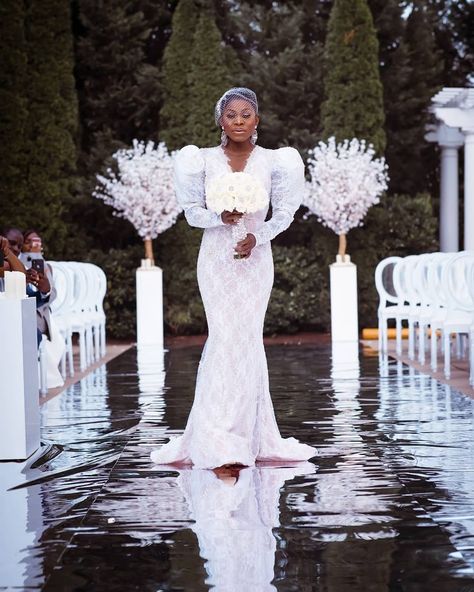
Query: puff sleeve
x=189 y=173
x=288 y=181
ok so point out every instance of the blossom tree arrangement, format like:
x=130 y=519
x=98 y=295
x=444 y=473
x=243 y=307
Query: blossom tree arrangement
x=346 y=180
x=141 y=190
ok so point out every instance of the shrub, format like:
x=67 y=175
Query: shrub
x=399 y=225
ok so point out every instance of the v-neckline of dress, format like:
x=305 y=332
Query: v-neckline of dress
x=247 y=162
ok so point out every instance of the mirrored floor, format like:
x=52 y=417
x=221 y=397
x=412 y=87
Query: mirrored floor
x=388 y=505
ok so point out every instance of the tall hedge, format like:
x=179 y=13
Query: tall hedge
x=353 y=105
x=52 y=119
x=120 y=98
x=13 y=111
x=177 y=62
x=209 y=78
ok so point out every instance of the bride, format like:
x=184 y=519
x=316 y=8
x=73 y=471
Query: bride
x=232 y=419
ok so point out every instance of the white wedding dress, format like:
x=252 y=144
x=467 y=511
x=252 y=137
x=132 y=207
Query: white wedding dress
x=232 y=418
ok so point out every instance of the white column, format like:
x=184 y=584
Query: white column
x=450 y=140
x=19 y=389
x=149 y=305
x=449 y=207
x=344 y=309
x=469 y=190
x=458 y=111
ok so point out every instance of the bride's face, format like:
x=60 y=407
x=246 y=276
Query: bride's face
x=239 y=120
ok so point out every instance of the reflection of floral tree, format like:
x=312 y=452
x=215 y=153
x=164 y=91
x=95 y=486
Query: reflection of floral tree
x=346 y=180
x=141 y=190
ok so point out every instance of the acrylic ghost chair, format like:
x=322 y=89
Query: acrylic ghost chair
x=471 y=330
x=80 y=321
x=96 y=289
x=456 y=274
x=429 y=306
x=406 y=289
x=390 y=304
x=60 y=310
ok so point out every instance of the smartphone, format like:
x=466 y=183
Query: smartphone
x=38 y=265
x=2 y=259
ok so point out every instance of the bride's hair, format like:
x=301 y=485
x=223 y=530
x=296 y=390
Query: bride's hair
x=238 y=92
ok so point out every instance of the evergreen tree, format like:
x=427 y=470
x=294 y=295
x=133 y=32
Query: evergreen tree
x=286 y=76
x=209 y=77
x=52 y=118
x=412 y=159
x=394 y=71
x=353 y=106
x=13 y=111
x=120 y=96
x=178 y=59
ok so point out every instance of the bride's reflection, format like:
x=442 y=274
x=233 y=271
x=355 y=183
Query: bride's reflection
x=234 y=512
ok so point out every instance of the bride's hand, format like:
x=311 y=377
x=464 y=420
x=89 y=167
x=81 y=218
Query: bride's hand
x=231 y=217
x=245 y=246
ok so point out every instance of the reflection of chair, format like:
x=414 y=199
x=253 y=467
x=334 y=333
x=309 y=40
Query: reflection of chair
x=42 y=368
x=390 y=305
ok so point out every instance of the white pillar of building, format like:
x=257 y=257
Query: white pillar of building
x=449 y=140
x=455 y=108
x=469 y=190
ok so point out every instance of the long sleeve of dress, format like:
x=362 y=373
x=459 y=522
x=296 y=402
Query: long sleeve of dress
x=189 y=174
x=286 y=193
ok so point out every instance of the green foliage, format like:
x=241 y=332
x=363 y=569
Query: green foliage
x=120 y=98
x=13 y=110
x=354 y=103
x=176 y=253
x=52 y=119
x=401 y=225
x=208 y=79
x=196 y=71
x=285 y=76
x=177 y=63
x=119 y=266
x=419 y=65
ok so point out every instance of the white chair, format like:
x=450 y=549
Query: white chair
x=470 y=284
x=405 y=288
x=93 y=316
x=390 y=305
x=77 y=315
x=60 y=309
x=99 y=306
x=456 y=275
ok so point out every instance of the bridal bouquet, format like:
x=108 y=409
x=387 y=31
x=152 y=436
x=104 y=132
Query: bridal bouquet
x=238 y=192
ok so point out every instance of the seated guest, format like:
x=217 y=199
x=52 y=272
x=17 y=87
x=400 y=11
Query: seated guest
x=37 y=287
x=44 y=283
x=10 y=256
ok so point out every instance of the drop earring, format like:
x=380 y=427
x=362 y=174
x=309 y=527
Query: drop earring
x=224 y=138
x=254 y=136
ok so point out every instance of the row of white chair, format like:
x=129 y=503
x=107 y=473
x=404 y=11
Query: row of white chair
x=78 y=308
x=432 y=291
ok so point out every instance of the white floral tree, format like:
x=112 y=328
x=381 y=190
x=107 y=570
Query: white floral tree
x=346 y=180
x=141 y=190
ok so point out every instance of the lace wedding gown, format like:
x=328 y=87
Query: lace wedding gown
x=232 y=418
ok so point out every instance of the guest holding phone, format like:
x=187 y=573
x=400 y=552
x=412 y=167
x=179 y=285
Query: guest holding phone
x=40 y=277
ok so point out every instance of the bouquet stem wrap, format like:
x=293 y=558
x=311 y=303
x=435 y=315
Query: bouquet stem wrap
x=239 y=232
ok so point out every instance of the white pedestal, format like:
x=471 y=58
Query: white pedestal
x=150 y=306
x=344 y=309
x=19 y=389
